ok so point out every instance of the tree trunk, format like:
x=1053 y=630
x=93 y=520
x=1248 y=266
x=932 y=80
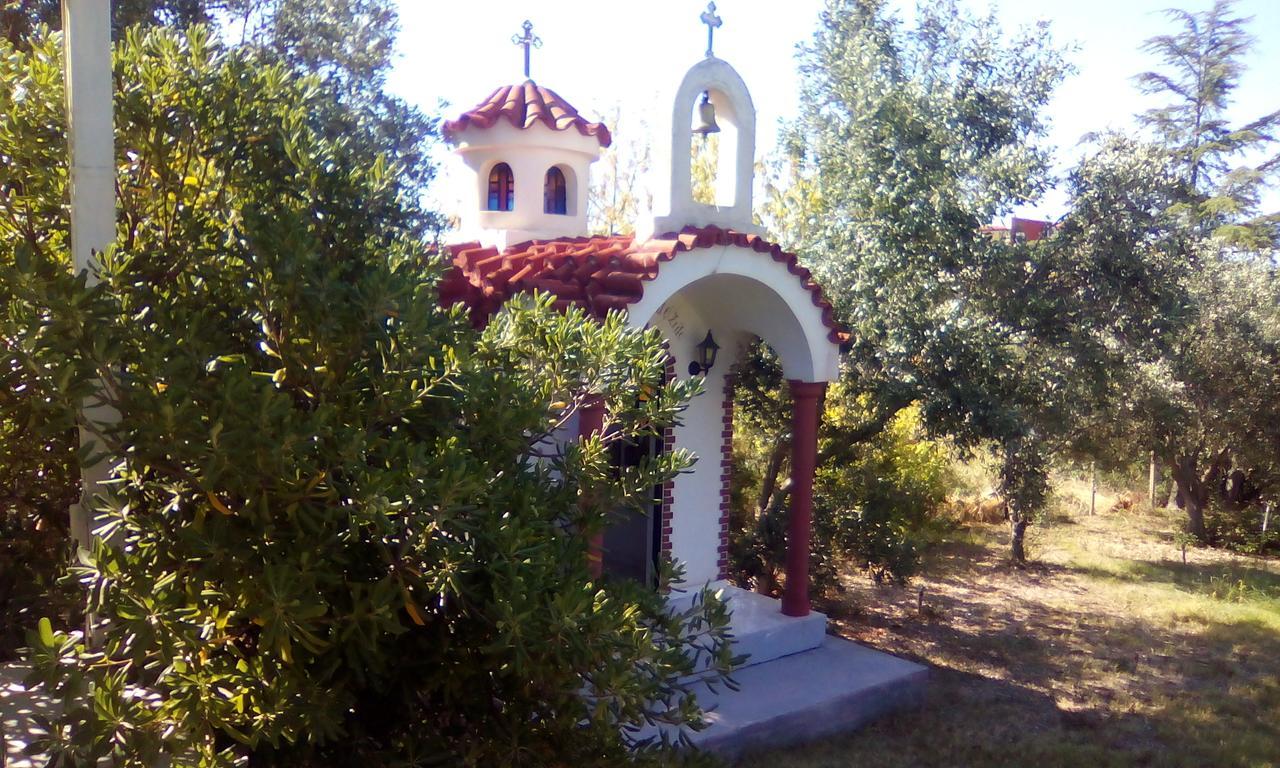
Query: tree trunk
x=1195 y=518
x=1235 y=493
x=1191 y=495
x=1194 y=490
x=767 y=583
x=1017 y=539
x=769 y=483
x=1166 y=493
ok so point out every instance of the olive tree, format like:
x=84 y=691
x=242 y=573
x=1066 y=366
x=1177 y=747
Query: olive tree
x=911 y=138
x=1180 y=216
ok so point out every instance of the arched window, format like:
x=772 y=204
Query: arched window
x=502 y=188
x=555 y=193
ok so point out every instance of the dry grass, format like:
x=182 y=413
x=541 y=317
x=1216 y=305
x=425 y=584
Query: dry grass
x=1108 y=651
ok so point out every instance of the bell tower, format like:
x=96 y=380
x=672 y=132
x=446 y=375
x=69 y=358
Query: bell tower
x=712 y=99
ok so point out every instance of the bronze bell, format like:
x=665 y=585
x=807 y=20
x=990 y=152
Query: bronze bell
x=706 y=117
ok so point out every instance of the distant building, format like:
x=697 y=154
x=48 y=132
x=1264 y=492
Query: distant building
x=1020 y=230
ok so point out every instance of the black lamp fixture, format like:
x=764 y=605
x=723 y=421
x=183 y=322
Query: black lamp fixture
x=707 y=350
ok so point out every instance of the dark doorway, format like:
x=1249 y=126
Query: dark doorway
x=633 y=543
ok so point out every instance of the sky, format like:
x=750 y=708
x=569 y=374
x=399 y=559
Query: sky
x=618 y=56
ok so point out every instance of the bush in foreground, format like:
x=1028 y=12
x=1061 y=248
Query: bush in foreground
x=333 y=540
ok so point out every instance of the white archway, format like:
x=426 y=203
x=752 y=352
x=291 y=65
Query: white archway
x=737 y=292
x=739 y=289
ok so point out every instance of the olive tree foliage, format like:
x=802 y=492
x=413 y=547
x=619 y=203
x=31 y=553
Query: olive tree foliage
x=19 y=19
x=911 y=138
x=1198 y=386
x=915 y=138
x=336 y=534
x=618 y=196
x=1209 y=419
x=1101 y=295
x=1214 y=400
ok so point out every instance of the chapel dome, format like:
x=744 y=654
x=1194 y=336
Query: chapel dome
x=528 y=153
x=524 y=106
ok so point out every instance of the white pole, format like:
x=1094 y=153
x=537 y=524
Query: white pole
x=86 y=28
x=1093 y=488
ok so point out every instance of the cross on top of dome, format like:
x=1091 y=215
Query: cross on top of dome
x=528 y=41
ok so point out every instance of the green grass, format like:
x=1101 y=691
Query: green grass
x=1108 y=651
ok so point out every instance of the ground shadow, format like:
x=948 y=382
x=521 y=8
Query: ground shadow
x=1033 y=667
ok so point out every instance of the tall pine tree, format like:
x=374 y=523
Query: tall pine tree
x=1202 y=62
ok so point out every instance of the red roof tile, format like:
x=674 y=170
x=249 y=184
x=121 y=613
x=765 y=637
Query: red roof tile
x=524 y=105
x=597 y=273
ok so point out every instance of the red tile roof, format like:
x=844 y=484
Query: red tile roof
x=597 y=273
x=524 y=105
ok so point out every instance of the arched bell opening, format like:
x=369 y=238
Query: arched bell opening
x=714 y=125
x=725 y=201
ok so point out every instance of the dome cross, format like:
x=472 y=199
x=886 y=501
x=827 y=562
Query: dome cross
x=528 y=41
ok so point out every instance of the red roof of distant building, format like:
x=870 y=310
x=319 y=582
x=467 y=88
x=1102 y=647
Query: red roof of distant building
x=525 y=105
x=596 y=273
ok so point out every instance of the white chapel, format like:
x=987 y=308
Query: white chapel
x=705 y=277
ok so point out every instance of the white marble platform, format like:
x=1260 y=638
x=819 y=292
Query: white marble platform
x=763 y=633
x=835 y=688
x=798 y=683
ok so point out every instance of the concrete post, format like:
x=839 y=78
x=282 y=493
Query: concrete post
x=1093 y=488
x=86 y=28
x=806 y=398
x=590 y=422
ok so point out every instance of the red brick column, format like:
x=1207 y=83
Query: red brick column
x=726 y=475
x=668 y=487
x=806 y=398
x=590 y=422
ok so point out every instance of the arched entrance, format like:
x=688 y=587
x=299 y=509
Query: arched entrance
x=739 y=292
x=701 y=279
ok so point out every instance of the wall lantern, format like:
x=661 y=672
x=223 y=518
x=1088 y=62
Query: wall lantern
x=707 y=350
x=706 y=117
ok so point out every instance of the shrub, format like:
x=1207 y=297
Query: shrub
x=1239 y=528
x=333 y=542
x=876 y=499
x=873 y=499
x=39 y=478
